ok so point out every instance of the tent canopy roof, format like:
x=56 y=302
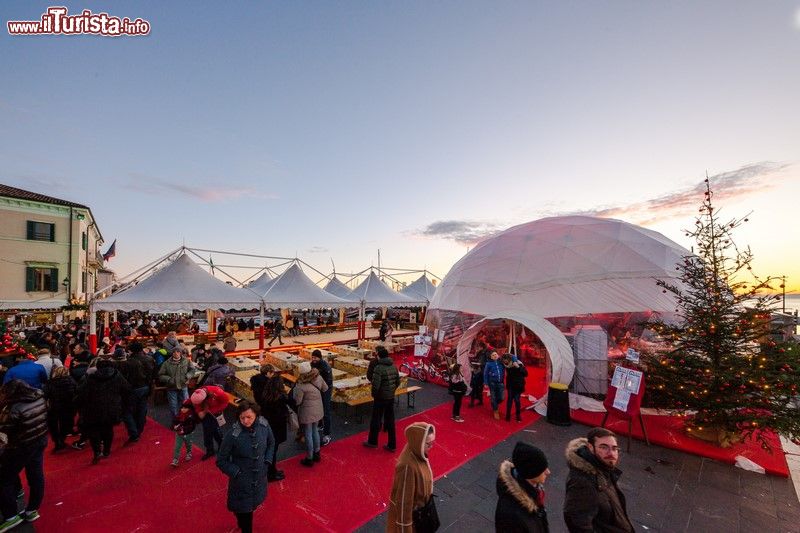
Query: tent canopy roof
x=261 y=284
x=181 y=286
x=294 y=289
x=337 y=288
x=372 y=291
x=564 y=266
x=422 y=287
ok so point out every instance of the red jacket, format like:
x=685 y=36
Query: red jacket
x=216 y=399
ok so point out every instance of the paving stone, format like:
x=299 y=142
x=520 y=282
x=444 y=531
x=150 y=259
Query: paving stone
x=701 y=522
x=470 y=522
x=749 y=508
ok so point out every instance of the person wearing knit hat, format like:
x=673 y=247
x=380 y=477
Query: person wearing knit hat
x=209 y=403
x=307 y=396
x=520 y=491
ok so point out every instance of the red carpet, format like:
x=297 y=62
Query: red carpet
x=136 y=489
x=667 y=431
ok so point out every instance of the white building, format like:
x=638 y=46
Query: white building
x=49 y=251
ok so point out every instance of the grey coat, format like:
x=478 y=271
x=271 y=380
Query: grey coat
x=244 y=457
x=308 y=397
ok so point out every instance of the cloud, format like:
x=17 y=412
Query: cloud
x=317 y=250
x=461 y=231
x=205 y=193
x=749 y=179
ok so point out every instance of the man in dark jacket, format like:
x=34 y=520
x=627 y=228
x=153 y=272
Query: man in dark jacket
x=23 y=419
x=327 y=376
x=100 y=400
x=593 y=502
x=139 y=369
x=520 y=491
x=385 y=380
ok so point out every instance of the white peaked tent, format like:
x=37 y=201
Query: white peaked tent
x=564 y=266
x=294 y=290
x=337 y=288
x=180 y=286
x=421 y=287
x=261 y=284
x=372 y=291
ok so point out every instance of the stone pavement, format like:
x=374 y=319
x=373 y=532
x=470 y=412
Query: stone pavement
x=666 y=490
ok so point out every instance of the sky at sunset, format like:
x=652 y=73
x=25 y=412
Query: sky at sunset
x=330 y=130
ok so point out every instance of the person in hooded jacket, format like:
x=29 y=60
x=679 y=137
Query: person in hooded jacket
x=318 y=362
x=245 y=457
x=520 y=491
x=412 y=484
x=60 y=394
x=593 y=502
x=307 y=395
x=23 y=419
x=100 y=400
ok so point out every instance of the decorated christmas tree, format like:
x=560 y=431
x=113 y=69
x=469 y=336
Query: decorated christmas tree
x=723 y=371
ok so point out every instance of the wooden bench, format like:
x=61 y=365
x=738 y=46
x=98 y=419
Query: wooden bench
x=410 y=393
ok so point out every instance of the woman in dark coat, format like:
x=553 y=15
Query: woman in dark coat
x=245 y=457
x=99 y=400
x=59 y=391
x=515 y=383
x=272 y=400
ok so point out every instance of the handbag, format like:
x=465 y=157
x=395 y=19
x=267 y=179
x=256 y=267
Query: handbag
x=459 y=387
x=292 y=422
x=426 y=518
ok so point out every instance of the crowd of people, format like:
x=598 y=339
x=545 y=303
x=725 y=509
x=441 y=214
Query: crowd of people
x=85 y=396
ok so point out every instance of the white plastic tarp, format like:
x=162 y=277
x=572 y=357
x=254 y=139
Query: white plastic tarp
x=261 y=284
x=421 y=288
x=337 y=288
x=180 y=286
x=564 y=266
x=559 y=353
x=373 y=292
x=294 y=290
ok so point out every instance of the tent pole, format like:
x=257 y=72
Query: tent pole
x=261 y=329
x=92 y=329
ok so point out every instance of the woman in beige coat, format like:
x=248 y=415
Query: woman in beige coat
x=307 y=396
x=412 y=485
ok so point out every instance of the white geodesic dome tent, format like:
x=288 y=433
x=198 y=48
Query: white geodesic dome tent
x=558 y=267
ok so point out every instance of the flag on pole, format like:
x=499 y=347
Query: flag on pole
x=211 y=263
x=111 y=252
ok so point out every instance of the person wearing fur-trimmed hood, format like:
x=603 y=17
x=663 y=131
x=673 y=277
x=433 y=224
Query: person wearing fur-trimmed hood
x=412 y=485
x=592 y=501
x=520 y=491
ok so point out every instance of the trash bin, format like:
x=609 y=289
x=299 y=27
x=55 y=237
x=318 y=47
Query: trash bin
x=558 y=404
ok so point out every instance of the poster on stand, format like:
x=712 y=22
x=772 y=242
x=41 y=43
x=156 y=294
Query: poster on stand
x=421 y=350
x=621 y=399
x=633 y=381
x=619 y=377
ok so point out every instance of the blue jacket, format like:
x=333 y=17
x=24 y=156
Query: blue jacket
x=244 y=456
x=29 y=372
x=494 y=372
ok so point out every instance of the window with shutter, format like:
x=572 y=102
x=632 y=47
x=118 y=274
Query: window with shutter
x=41 y=279
x=41 y=231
